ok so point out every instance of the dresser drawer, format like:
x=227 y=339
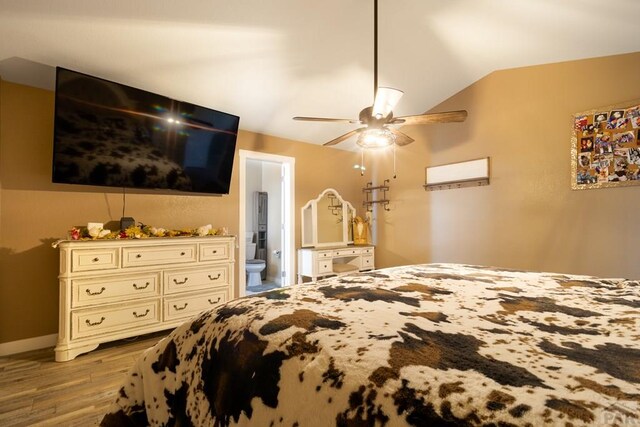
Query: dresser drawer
x=324 y=254
x=367 y=263
x=94 y=259
x=346 y=252
x=366 y=251
x=85 y=323
x=158 y=255
x=179 y=307
x=216 y=251
x=325 y=266
x=114 y=288
x=196 y=278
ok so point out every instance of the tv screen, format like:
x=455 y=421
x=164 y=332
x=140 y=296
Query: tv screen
x=109 y=134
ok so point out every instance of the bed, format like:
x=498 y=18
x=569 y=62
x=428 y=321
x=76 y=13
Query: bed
x=433 y=344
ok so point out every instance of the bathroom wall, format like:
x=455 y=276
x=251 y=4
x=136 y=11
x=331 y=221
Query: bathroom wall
x=271 y=183
x=253 y=183
x=265 y=176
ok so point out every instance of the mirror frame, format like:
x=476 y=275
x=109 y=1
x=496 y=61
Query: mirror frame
x=313 y=205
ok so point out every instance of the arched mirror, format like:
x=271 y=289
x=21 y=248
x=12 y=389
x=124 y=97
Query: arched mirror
x=326 y=220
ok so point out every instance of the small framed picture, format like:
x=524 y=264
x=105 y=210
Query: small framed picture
x=586 y=144
x=584 y=160
x=601 y=117
x=580 y=123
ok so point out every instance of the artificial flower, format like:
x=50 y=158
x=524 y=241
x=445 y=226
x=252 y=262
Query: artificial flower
x=203 y=230
x=74 y=234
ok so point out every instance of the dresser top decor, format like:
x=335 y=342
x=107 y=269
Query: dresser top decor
x=94 y=231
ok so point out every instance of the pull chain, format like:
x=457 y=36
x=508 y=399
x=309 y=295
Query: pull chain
x=394 y=161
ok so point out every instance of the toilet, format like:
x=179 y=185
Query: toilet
x=253 y=266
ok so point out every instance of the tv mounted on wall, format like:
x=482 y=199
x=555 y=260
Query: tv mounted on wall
x=110 y=134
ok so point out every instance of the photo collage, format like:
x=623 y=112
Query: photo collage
x=608 y=147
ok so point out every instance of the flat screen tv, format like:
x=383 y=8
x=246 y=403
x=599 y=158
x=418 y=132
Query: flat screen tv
x=109 y=134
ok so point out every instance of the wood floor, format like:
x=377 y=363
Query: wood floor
x=36 y=390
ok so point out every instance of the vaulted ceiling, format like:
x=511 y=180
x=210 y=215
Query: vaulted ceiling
x=268 y=61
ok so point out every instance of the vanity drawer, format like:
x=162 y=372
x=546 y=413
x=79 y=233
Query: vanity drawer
x=86 y=323
x=94 y=259
x=367 y=262
x=218 y=251
x=324 y=254
x=86 y=292
x=324 y=266
x=196 y=278
x=366 y=251
x=346 y=252
x=187 y=306
x=158 y=255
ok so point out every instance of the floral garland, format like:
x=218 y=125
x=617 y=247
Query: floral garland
x=141 y=231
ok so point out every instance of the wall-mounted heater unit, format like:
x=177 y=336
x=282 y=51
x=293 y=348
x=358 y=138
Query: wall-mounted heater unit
x=471 y=173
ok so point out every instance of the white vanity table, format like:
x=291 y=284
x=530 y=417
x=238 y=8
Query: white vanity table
x=320 y=262
x=328 y=248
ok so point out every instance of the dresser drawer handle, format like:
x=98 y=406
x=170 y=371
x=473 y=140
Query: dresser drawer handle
x=95 y=293
x=183 y=253
x=214 y=302
x=138 y=255
x=99 y=322
x=176 y=308
x=180 y=283
x=214 y=278
x=215 y=251
x=137 y=316
x=139 y=288
x=96 y=259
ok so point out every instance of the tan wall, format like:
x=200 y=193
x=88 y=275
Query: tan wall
x=34 y=212
x=528 y=217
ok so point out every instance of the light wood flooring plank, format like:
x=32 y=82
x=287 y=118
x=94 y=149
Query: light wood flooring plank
x=36 y=390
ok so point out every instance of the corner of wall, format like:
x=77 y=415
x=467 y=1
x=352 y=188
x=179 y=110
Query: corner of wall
x=0 y=159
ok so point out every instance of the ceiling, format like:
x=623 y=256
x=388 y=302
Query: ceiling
x=268 y=61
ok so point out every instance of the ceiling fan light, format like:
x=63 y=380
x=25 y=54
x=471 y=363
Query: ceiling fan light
x=376 y=138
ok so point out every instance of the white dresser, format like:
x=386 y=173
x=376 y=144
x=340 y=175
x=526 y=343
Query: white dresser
x=113 y=289
x=332 y=261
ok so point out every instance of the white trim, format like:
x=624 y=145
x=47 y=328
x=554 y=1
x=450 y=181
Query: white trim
x=36 y=343
x=288 y=262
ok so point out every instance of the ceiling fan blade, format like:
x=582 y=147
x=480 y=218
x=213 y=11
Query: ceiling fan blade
x=401 y=138
x=326 y=119
x=423 y=119
x=386 y=99
x=342 y=137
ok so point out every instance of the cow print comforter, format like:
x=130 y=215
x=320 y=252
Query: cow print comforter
x=435 y=344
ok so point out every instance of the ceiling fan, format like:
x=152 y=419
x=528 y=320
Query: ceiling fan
x=378 y=119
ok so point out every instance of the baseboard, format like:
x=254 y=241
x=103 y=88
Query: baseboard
x=20 y=346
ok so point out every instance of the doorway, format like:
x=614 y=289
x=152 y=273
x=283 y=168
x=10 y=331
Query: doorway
x=267 y=180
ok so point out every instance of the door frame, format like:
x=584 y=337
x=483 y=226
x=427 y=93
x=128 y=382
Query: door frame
x=288 y=261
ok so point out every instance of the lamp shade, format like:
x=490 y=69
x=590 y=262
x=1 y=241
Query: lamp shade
x=386 y=99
